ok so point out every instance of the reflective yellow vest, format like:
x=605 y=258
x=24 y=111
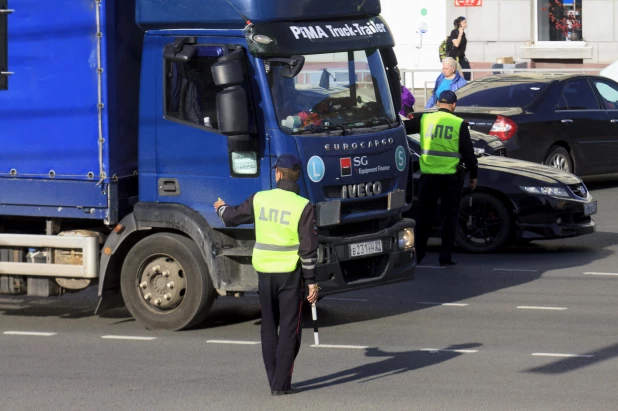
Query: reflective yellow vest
x=440 y=143
x=277 y=214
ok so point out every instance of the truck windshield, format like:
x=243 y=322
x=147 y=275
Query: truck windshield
x=333 y=91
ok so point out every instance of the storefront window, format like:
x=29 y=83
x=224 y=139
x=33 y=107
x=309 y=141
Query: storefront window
x=559 y=20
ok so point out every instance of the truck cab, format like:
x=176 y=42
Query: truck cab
x=222 y=88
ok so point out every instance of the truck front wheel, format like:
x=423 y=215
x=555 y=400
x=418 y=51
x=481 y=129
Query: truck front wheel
x=165 y=282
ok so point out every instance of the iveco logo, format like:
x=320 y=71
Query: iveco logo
x=356 y=146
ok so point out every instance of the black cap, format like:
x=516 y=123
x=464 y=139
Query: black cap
x=288 y=161
x=448 y=97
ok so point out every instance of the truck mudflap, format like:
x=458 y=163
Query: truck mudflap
x=348 y=263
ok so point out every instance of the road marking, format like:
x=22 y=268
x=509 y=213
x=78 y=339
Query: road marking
x=445 y=304
x=345 y=299
x=593 y=273
x=127 y=337
x=527 y=307
x=431 y=266
x=435 y=350
x=233 y=342
x=522 y=270
x=37 y=334
x=353 y=347
x=547 y=354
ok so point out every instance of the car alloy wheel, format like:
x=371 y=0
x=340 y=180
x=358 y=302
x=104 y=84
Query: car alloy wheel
x=485 y=227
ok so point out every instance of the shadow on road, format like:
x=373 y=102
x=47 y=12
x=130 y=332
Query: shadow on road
x=574 y=363
x=392 y=363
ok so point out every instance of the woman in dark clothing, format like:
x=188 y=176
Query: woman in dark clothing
x=458 y=38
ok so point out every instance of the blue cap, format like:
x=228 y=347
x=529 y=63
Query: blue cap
x=288 y=161
x=448 y=97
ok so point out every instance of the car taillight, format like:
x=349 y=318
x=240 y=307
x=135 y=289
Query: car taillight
x=503 y=128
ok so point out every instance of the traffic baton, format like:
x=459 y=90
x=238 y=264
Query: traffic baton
x=314 y=314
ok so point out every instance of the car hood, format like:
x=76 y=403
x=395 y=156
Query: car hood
x=528 y=169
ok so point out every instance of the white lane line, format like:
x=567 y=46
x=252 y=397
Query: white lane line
x=440 y=267
x=345 y=299
x=594 y=273
x=435 y=350
x=445 y=304
x=127 y=337
x=233 y=342
x=521 y=270
x=548 y=354
x=353 y=347
x=528 y=307
x=37 y=334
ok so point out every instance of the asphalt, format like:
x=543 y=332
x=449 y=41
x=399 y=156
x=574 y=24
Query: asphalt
x=531 y=328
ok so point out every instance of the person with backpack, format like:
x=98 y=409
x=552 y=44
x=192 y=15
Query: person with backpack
x=450 y=79
x=459 y=42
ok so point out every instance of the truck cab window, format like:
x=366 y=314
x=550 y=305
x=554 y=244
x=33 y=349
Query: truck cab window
x=190 y=92
x=4 y=46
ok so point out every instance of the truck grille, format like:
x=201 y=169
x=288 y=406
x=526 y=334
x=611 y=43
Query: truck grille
x=335 y=191
x=354 y=207
x=363 y=268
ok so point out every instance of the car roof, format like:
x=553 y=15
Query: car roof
x=542 y=77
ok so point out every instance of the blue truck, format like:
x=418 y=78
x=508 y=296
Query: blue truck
x=123 y=121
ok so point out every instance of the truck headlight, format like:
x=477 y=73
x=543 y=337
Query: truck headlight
x=406 y=239
x=548 y=191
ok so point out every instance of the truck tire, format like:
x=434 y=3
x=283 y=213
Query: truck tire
x=165 y=282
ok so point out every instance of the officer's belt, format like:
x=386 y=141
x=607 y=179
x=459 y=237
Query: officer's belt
x=440 y=153
x=271 y=247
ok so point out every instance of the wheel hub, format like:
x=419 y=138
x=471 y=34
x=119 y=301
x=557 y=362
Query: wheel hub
x=162 y=283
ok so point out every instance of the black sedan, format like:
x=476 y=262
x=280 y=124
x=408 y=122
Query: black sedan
x=567 y=121
x=515 y=201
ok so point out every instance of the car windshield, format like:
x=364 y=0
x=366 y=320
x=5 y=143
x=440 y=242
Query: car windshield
x=499 y=94
x=333 y=92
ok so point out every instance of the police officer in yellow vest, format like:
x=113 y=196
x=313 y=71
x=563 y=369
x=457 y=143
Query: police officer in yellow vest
x=445 y=144
x=285 y=240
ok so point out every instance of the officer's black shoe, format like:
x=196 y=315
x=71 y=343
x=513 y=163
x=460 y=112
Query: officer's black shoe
x=447 y=263
x=291 y=390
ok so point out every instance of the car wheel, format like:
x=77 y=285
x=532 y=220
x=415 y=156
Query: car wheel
x=559 y=157
x=165 y=282
x=485 y=227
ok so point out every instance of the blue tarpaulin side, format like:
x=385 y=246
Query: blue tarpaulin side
x=49 y=117
x=226 y=13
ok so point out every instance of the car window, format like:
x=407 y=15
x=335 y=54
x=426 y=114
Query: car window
x=578 y=95
x=499 y=94
x=609 y=94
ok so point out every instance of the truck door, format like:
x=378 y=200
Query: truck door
x=196 y=162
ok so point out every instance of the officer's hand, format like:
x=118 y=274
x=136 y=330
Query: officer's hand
x=219 y=203
x=410 y=116
x=313 y=293
x=472 y=184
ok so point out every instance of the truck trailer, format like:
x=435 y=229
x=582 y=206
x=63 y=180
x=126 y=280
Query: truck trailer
x=123 y=121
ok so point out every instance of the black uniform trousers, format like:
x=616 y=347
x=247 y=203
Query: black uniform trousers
x=448 y=189
x=281 y=296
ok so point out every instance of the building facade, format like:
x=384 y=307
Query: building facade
x=541 y=33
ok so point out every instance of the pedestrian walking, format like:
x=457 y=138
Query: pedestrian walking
x=445 y=144
x=286 y=244
x=449 y=79
x=459 y=40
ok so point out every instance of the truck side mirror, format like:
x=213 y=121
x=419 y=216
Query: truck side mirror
x=232 y=107
x=182 y=51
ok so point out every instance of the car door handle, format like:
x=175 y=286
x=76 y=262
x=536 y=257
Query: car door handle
x=567 y=120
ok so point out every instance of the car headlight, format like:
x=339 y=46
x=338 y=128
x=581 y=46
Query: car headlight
x=548 y=191
x=406 y=239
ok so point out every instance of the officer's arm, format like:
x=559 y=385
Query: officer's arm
x=466 y=149
x=308 y=249
x=413 y=125
x=235 y=216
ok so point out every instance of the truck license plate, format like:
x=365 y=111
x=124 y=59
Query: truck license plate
x=590 y=208
x=367 y=248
